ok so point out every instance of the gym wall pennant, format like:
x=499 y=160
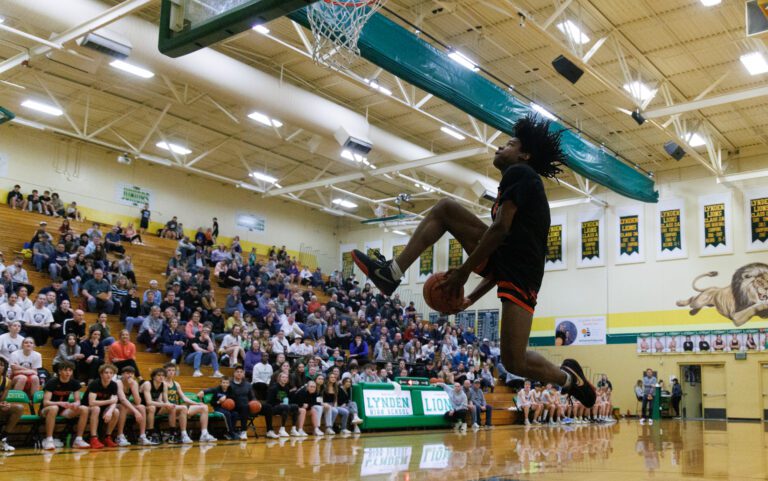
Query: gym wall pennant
x=757 y=220
x=670 y=228
x=455 y=253
x=426 y=264
x=556 y=257
x=715 y=221
x=397 y=249
x=630 y=234
x=591 y=236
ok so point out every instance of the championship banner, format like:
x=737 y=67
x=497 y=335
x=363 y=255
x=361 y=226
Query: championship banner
x=465 y=319
x=488 y=324
x=347 y=263
x=372 y=248
x=630 y=235
x=670 y=230
x=591 y=239
x=715 y=224
x=556 y=257
x=132 y=195
x=580 y=331
x=398 y=249
x=757 y=220
x=455 y=254
x=426 y=264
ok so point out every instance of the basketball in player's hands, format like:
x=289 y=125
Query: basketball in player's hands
x=438 y=299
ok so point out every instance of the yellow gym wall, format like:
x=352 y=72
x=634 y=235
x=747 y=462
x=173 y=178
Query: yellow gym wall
x=89 y=174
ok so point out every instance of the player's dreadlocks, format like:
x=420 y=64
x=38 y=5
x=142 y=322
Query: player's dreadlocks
x=542 y=145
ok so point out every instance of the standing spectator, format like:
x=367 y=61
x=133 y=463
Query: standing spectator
x=477 y=400
x=203 y=352
x=24 y=365
x=98 y=293
x=215 y=229
x=123 y=352
x=649 y=386
x=677 y=395
x=144 y=220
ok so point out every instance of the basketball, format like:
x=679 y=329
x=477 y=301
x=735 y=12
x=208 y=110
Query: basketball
x=228 y=404
x=434 y=380
x=437 y=299
x=254 y=406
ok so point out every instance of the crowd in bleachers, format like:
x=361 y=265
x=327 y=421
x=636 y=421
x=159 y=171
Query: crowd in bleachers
x=296 y=355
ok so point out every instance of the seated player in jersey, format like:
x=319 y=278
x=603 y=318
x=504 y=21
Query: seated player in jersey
x=101 y=399
x=56 y=402
x=154 y=395
x=129 y=404
x=186 y=407
x=10 y=413
x=509 y=254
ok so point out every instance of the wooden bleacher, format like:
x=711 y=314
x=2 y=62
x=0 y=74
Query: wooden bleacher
x=149 y=263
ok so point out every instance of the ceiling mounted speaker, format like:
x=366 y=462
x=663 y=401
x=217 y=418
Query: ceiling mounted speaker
x=674 y=150
x=567 y=69
x=638 y=117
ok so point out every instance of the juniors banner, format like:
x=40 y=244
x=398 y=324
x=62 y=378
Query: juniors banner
x=398 y=249
x=630 y=235
x=715 y=223
x=591 y=252
x=347 y=263
x=372 y=248
x=557 y=241
x=757 y=220
x=426 y=264
x=670 y=230
x=580 y=331
x=455 y=253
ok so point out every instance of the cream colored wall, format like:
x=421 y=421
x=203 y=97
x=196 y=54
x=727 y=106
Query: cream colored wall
x=88 y=175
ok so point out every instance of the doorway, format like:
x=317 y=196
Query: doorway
x=714 y=395
x=690 y=379
x=764 y=375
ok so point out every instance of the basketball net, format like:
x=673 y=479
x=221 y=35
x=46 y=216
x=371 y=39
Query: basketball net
x=336 y=26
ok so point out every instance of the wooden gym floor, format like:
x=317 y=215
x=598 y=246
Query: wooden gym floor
x=669 y=450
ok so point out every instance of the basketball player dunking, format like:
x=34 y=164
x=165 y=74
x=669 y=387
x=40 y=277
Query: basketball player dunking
x=508 y=254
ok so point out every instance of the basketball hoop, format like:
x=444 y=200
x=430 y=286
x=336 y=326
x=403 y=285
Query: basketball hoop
x=336 y=26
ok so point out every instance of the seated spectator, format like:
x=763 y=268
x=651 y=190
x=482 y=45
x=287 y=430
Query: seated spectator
x=169 y=231
x=218 y=395
x=261 y=376
x=233 y=302
x=308 y=400
x=231 y=347
x=305 y=276
x=95 y=231
x=203 y=352
x=123 y=352
x=11 y=341
x=125 y=267
x=130 y=235
x=56 y=403
x=151 y=329
x=71 y=322
x=72 y=211
x=92 y=351
x=10 y=413
x=113 y=242
x=69 y=350
x=24 y=365
x=102 y=326
x=459 y=405
x=478 y=405
x=344 y=401
x=15 y=198
x=43 y=253
x=358 y=349
x=98 y=293
x=157 y=295
x=11 y=311
x=173 y=341
x=37 y=321
x=57 y=205
x=19 y=275
x=34 y=203
x=70 y=275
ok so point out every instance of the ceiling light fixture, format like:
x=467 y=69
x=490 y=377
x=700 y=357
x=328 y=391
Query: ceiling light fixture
x=175 y=148
x=41 y=107
x=572 y=31
x=399 y=232
x=261 y=29
x=344 y=203
x=755 y=63
x=263 y=177
x=265 y=120
x=463 y=60
x=354 y=157
x=131 y=69
x=695 y=140
x=542 y=111
x=28 y=123
x=452 y=133
x=639 y=91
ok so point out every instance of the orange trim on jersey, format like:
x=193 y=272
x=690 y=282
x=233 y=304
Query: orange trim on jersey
x=509 y=285
x=517 y=301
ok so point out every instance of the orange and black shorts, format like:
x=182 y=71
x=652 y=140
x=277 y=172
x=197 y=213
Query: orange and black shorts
x=507 y=289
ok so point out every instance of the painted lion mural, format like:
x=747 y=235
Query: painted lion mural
x=746 y=297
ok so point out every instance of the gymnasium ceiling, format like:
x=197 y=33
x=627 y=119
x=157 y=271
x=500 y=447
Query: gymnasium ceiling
x=681 y=49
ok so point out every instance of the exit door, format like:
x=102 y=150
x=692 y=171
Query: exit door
x=765 y=392
x=714 y=394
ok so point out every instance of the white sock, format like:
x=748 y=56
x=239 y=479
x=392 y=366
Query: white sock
x=204 y=431
x=395 y=270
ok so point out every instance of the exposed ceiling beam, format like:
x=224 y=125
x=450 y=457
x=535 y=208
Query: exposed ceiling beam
x=105 y=18
x=436 y=159
x=705 y=103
